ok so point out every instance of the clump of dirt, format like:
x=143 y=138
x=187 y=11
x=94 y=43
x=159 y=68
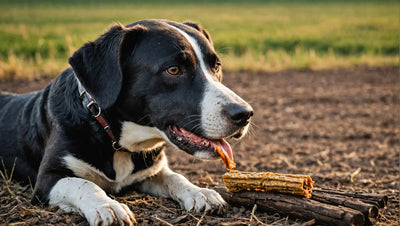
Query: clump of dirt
x=340 y=126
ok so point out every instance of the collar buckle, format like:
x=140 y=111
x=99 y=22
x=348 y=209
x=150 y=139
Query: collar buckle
x=94 y=108
x=116 y=146
x=96 y=112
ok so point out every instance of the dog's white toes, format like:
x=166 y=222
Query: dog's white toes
x=202 y=200
x=131 y=217
x=112 y=213
x=123 y=214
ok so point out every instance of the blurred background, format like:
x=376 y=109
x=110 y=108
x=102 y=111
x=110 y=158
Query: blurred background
x=37 y=37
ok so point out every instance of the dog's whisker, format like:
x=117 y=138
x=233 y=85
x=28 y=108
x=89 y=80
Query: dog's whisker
x=192 y=116
x=252 y=130
x=192 y=122
x=197 y=118
x=196 y=128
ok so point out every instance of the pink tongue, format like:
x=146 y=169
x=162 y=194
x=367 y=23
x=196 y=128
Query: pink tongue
x=225 y=147
x=222 y=144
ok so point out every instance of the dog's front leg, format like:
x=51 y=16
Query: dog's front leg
x=192 y=198
x=79 y=195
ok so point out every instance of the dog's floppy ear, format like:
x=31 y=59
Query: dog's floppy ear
x=97 y=64
x=201 y=29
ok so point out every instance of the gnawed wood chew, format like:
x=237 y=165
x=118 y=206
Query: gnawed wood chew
x=265 y=181
x=229 y=164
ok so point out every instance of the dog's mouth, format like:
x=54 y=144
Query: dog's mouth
x=199 y=146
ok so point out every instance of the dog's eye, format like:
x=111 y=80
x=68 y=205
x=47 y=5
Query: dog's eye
x=217 y=67
x=174 y=70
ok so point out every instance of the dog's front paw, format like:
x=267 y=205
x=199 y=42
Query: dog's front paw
x=202 y=200
x=110 y=213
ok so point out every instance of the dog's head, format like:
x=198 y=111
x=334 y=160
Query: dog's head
x=162 y=80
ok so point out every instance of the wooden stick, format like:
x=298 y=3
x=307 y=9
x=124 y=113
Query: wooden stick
x=377 y=199
x=370 y=211
x=324 y=212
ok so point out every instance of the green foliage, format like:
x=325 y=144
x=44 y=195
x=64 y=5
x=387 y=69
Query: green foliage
x=267 y=35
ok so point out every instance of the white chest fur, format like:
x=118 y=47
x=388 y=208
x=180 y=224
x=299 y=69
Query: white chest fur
x=136 y=137
x=123 y=167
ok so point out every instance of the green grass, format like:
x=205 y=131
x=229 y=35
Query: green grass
x=37 y=37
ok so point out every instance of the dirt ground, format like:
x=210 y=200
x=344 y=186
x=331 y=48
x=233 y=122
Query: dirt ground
x=340 y=126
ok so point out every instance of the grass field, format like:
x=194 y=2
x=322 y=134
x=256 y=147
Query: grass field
x=37 y=37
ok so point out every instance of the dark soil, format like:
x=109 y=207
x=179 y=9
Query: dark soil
x=340 y=126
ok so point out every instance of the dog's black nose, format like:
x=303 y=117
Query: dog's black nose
x=239 y=114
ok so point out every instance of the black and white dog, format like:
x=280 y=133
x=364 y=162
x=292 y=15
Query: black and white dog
x=102 y=125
